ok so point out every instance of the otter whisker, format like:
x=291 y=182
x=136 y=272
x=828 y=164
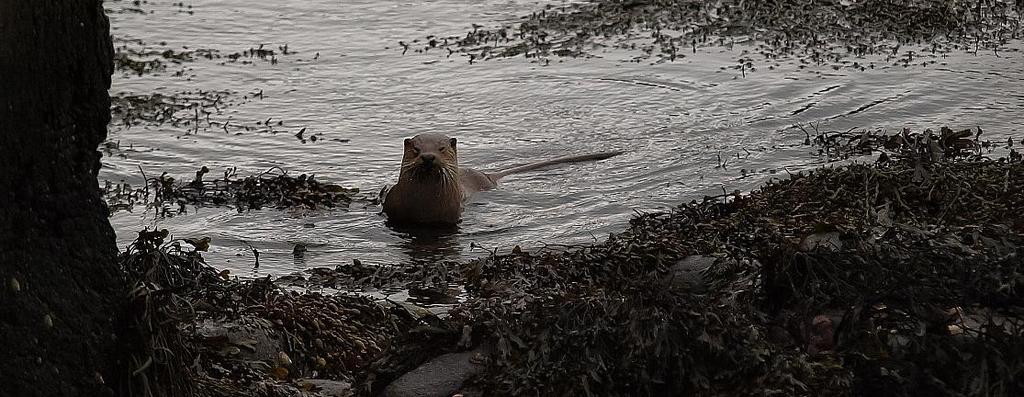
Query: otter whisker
x=446 y=178
x=451 y=175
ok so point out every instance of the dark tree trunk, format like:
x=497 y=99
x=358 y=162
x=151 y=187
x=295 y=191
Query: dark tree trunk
x=60 y=289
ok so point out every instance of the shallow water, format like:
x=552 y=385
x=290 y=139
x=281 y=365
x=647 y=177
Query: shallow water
x=672 y=119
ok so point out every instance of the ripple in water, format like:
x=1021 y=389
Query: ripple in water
x=344 y=80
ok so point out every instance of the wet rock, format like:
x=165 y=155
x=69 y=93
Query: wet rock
x=249 y=340
x=822 y=335
x=687 y=274
x=441 y=377
x=326 y=387
x=830 y=241
x=265 y=388
x=779 y=336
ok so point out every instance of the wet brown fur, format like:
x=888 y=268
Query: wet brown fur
x=434 y=191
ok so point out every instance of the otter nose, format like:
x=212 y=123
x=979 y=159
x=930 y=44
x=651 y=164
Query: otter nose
x=427 y=158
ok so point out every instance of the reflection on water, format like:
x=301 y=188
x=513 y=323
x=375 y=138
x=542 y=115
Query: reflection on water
x=343 y=79
x=428 y=244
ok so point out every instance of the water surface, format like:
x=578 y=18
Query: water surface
x=345 y=79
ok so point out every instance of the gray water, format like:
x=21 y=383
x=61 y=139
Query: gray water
x=672 y=119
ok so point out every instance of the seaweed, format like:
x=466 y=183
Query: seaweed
x=272 y=188
x=924 y=147
x=178 y=109
x=156 y=275
x=425 y=278
x=206 y=333
x=820 y=33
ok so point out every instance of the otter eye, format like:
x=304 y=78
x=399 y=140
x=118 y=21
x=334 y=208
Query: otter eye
x=415 y=150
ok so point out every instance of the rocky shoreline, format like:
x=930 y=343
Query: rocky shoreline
x=899 y=277
x=902 y=276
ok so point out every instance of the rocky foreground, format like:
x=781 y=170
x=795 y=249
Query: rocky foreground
x=901 y=277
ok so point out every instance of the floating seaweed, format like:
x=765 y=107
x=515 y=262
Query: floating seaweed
x=179 y=109
x=825 y=33
x=139 y=58
x=273 y=188
x=197 y=112
x=923 y=147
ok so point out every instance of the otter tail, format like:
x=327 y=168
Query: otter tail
x=561 y=160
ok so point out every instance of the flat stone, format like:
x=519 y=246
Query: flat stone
x=441 y=377
x=327 y=387
x=687 y=274
x=251 y=340
x=830 y=241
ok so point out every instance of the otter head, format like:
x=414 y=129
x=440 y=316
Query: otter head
x=431 y=155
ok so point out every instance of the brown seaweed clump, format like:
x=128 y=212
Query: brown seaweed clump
x=917 y=148
x=209 y=334
x=272 y=188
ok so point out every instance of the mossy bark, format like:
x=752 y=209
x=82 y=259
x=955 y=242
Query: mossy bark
x=61 y=291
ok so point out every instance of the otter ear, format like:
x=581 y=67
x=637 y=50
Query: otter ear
x=408 y=141
x=452 y=142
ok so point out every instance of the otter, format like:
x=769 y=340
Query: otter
x=432 y=188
